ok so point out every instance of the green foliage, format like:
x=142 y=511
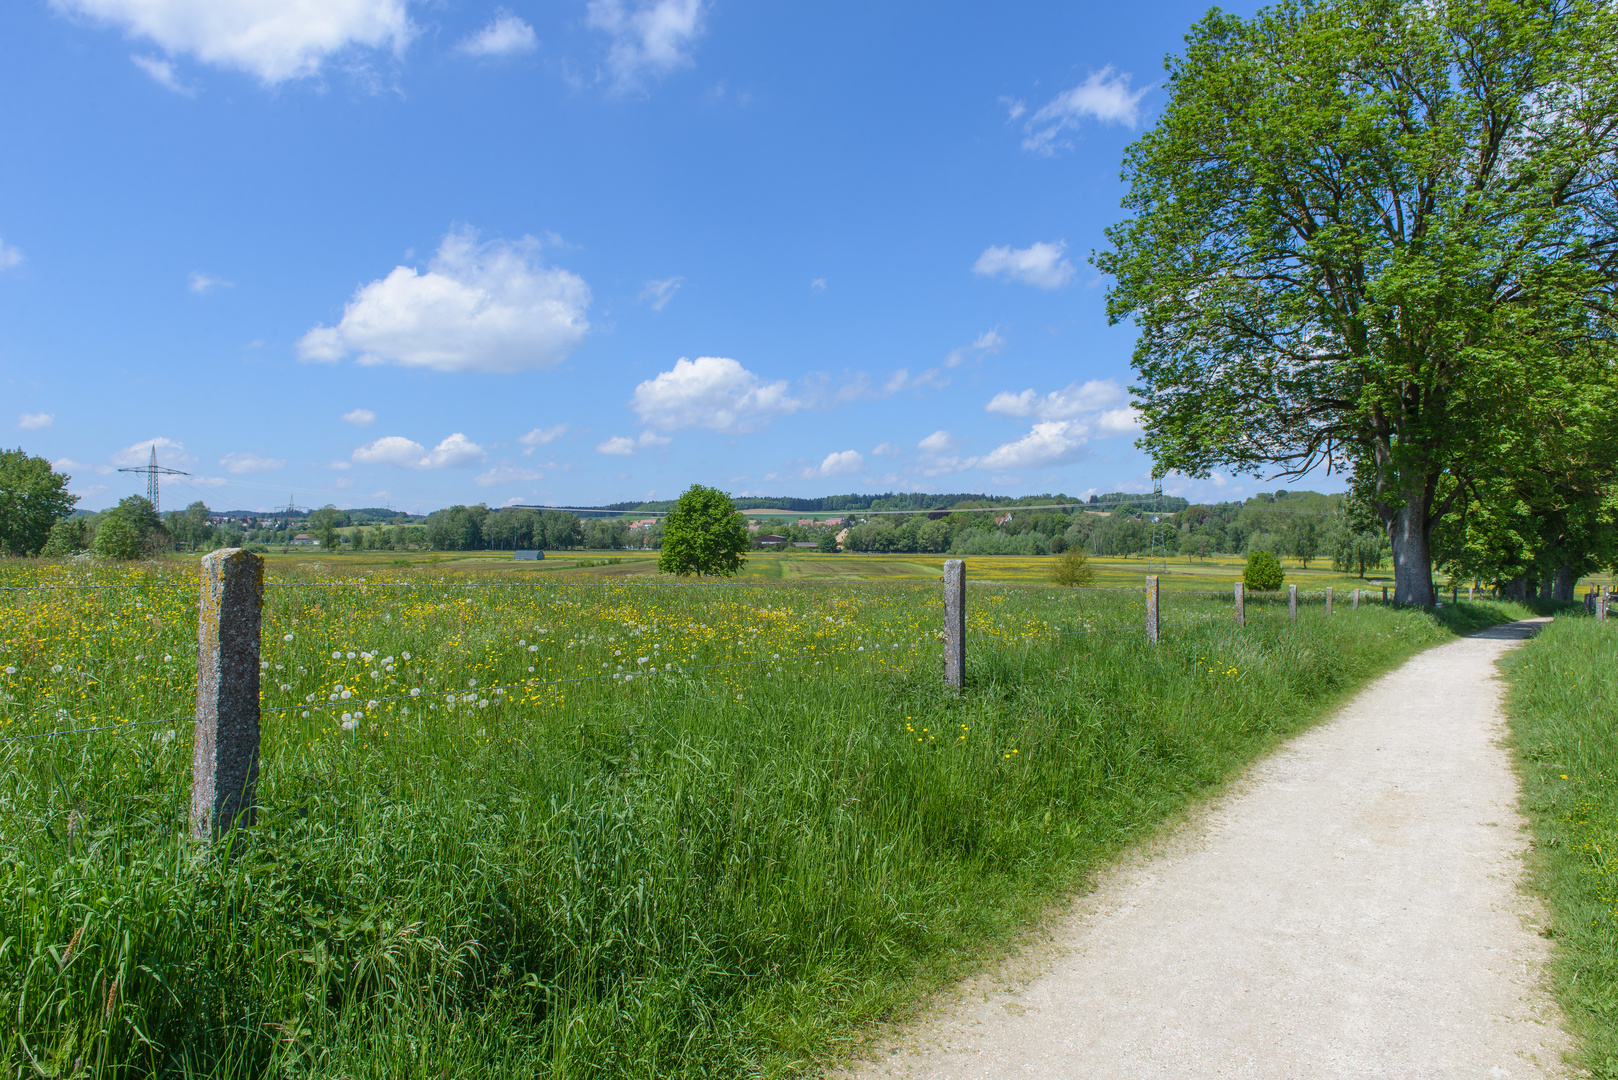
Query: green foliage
x=32 y=498
x=1263 y=572
x=1563 y=703
x=703 y=534
x=827 y=544
x=117 y=537
x=1073 y=569
x=69 y=536
x=1372 y=232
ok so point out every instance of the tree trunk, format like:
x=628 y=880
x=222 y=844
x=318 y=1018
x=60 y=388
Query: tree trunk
x=1545 y=588
x=1516 y=589
x=1412 y=554
x=1563 y=587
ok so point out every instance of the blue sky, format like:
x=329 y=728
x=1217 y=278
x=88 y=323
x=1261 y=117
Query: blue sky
x=412 y=253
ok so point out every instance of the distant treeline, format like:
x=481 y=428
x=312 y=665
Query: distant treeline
x=837 y=504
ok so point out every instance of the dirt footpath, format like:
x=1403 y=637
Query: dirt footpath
x=1351 y=909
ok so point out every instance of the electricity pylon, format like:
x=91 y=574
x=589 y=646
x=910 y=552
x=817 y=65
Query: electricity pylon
x=153 y=471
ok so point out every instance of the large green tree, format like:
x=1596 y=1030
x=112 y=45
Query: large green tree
x=1364 y=233
x=703 y=534
x=32 y=497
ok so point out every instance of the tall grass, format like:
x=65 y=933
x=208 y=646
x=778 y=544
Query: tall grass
x=1564 y=719
x=715 y=871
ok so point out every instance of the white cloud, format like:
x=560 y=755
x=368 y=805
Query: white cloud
x=845 y=463
x=1104 y=96
x=1065 y=404
x=202 y=283
x=1053 y=442
x=658 y=293
x=507 y=35
x=360 y=417
x=507 y=474
x=479 y=307
x=169 y=452
x=9 y=256
x=163 y=73
x=341 y=466
x=618 y=445
x=817 y=285
x=938 y=457
x=457 y=451
x=68 y=465
x=652 y=438
x=1039 y=264
x=1014 y=107
x=937 y=443
x=901 y=380
x=712 y=392
x=648 y=38
x=986 y=344
x=540 y=436
x=34 y=421
x=886 y=449
x=246 y=462
x=275 y=40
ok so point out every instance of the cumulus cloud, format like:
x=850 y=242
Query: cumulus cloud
x=34 y=421
x=843 y=463
x=247 y=462
x=169 y=452
x=9 y=256
x=479 y=307
x=507 y=35
x=1040 y=264
x=1054 y=442
x=985 y=344
x=276 y=40
x=658 y=293
x=1064 y=404
x=507 y=474
x=618 y=445
x=712 y=392
x=886 y=449
x=360 y=417
x=1104 y=96
x=938 y=455
x=647 y=38
x=202 y=283
x=540 y=436
x=457 y=451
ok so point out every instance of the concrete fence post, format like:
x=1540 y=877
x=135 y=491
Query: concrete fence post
x=1602 y=601
x=1356 y=604
x=224 y=757
x=954 y=623
x=1241 y=604
x=1328 y=599
x=1292 y=603
x=1151 y=608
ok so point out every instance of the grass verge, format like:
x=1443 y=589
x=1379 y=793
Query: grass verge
x=720 y=871
x=1563 y=703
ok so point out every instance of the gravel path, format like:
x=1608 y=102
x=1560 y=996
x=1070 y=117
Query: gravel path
x=1351 y=908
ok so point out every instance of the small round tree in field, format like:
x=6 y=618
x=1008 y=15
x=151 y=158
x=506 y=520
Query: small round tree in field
x=703 y=534
x=1073 y=569
x=1263 y=572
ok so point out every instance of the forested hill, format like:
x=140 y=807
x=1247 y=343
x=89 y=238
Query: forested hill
x=912 y=501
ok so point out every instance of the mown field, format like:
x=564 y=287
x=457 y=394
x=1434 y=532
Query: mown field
x=1563 y=703
x=603 y=828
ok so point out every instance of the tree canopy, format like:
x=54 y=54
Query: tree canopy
x=32 y=498
x=1369 y=235
x=704 y=534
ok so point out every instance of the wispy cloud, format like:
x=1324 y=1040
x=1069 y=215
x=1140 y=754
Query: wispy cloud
x=658 y=293
x=1039 y=264
x=507 y=35
x=360 y=417
x=540 y=436
x=203 y=284
x=9 y=256
x=35 y=421
x=648 y=38
x=1104 y=96
x=986 y=344
x=163 y=73
x=246 y=462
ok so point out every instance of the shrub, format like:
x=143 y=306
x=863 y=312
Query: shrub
x=1073 y=569
x=118 y=538
x=1263 y=572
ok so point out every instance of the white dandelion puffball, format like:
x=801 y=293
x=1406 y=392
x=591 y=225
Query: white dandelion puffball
x=335 y=655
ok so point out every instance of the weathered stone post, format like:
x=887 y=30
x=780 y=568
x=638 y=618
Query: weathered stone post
x=1384 y=594
x=1328 y=599
x=224 y=758
x=1241 y=604
x=1292 y=603
x=1151 y=608
x=954 y=623
x=1356 y=599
